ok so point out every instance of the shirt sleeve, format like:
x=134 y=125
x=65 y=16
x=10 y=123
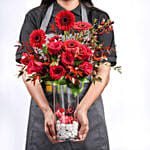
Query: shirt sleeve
x=109 y=41
x=27 y=27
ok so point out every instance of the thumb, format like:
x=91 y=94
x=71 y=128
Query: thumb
x=75 y=114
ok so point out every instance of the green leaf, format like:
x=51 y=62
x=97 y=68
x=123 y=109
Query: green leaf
x=55 y=82
x=82 y=86
x=62 y=80
x=28 y=80
x=54 y=63
x=99 y=79
x=45 y=49
x=68 y=33
x=75 y=91
x=77 y=62
x=118 y=68
x=93 y=80
x=20 y=73
x=85 y=80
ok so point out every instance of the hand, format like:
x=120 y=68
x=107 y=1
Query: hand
x=81 y=115
x=49 y=125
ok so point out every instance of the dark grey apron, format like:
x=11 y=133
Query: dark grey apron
x=97 y=138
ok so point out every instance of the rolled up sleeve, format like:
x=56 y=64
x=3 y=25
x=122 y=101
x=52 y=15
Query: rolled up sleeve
x=108 y=40
x=27 y=27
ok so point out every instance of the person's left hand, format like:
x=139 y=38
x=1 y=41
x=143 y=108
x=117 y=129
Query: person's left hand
x=81 y=115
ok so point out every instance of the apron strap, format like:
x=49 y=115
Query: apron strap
x=48 y=15
x=84 y=13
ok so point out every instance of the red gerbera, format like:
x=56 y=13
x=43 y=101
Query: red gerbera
x=37 y=38
x=71 y=45
x=64 y=20
x=81 y=25
x=56 y=72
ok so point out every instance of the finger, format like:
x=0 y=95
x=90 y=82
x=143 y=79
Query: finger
x=57 y=141
x=52 y=131
x=81 y=139
x=84 y=136
x=77 y=140
x=49 y=135
x=54 y=119
x=52 y=134
x=75 y=114
x=51 y=138
x=83 y=131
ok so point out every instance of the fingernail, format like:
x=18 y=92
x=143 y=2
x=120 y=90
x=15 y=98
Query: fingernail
x=54 y=137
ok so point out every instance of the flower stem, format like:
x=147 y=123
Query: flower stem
x=65 y=33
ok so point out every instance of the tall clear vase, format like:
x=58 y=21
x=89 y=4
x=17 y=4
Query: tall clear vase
x=65 y=103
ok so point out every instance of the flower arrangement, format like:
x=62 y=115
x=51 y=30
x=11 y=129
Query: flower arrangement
x=65 y=59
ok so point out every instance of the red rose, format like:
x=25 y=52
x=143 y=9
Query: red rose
x=54 y=47
x=81 y=25
x=71 y=45
x=56 y=72
x=64 y=20
x=86 y=67
x=84 y=53
x=37 y=38
x=26 y=58
x=67 y=58
x=34 y=66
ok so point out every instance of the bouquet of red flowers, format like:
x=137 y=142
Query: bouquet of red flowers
x=65 y=59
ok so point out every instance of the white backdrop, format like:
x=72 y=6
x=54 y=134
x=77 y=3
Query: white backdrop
x=126 y=97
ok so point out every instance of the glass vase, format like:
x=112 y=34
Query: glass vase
x=64 y=105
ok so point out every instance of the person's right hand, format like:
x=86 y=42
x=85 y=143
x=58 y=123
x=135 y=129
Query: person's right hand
x=49 y=125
